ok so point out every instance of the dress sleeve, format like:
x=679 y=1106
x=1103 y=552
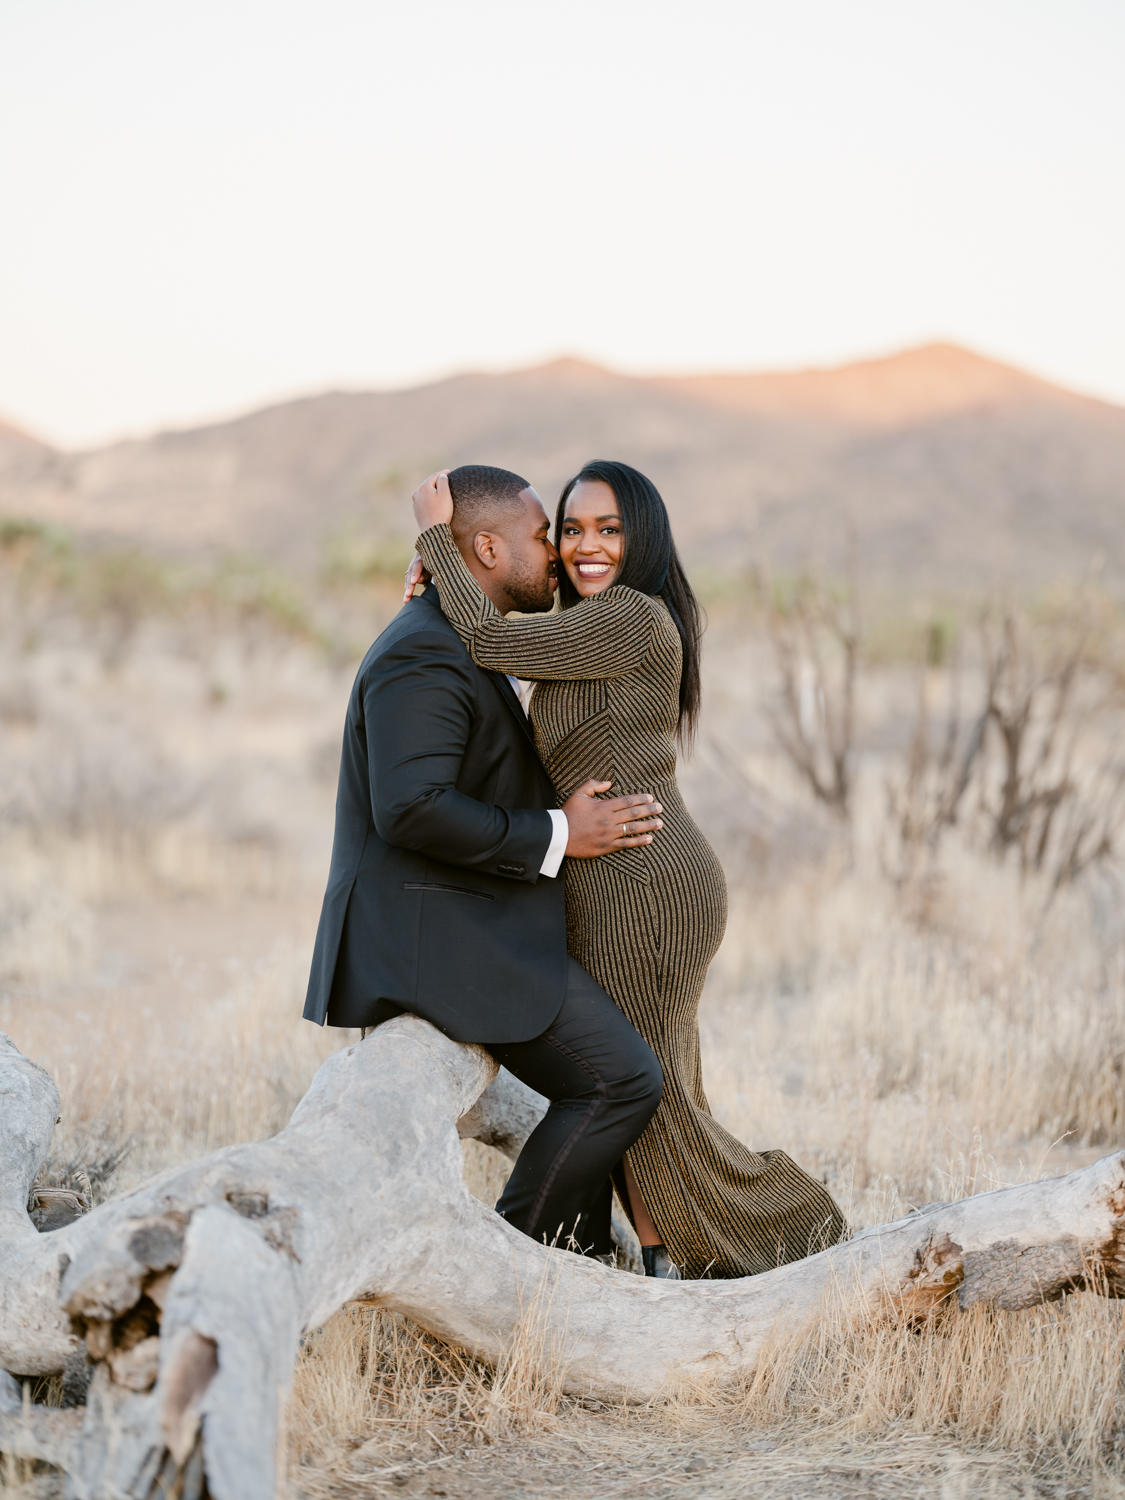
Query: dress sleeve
x=607 y=635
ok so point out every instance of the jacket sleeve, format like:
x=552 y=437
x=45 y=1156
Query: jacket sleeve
x=607 y=635
x=418 y=707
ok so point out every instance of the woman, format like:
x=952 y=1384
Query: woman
x=617 y=681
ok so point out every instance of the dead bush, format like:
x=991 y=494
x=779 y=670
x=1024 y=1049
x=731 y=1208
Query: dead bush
x=1032 y=769
x=815 y=632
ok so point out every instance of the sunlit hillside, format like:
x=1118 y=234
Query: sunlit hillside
x=932 y=468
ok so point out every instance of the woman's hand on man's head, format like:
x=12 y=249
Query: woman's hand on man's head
x=433 y=504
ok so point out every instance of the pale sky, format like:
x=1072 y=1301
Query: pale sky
x=210 y=205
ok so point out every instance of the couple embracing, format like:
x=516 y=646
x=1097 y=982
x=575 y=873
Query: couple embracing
x=513 y=862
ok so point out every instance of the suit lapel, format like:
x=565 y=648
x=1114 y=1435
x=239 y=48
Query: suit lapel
x=511 y=698
x=503 y=686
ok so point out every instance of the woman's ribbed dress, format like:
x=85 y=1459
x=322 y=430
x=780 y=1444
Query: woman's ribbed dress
x=645 y=922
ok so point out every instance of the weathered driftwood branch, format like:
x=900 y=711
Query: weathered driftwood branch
x=188 y=1296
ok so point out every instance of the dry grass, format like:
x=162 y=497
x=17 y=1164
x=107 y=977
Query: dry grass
x=147 y=1086
x=910 y=1064
x=907 y=1047
x=1016 y=1403
x=1044 y=1384
x=907 y=1064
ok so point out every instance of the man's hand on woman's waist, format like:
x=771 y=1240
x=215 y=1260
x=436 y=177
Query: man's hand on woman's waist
x=601 y=825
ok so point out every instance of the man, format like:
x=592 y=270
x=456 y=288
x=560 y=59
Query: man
x=445 y=895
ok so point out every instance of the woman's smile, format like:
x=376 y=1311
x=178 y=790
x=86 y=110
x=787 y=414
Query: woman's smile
x=591 y=540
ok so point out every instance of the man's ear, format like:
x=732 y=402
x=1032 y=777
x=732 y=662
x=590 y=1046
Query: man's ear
x=484 y=546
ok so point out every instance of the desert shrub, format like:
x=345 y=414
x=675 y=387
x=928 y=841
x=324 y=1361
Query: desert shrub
x=114 y=591
x=1023 y=753
x=352 y=557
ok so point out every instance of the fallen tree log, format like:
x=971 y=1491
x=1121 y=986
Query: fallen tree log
x=185 y=1300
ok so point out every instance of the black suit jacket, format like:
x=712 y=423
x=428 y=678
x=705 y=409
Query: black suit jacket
x=434 y=902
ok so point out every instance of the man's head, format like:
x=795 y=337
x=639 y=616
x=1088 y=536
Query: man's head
x=503 y=534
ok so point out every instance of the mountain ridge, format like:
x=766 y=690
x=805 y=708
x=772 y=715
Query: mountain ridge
x=942 y=466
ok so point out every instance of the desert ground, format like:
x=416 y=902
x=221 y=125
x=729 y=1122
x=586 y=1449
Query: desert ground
x=911 y=1020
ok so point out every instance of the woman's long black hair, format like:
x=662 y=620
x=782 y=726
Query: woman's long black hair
x=650 y=564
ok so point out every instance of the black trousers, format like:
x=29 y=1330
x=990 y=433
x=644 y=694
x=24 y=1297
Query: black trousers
x=604 y=1083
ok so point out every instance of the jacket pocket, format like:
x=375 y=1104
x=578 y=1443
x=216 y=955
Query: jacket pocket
x=455 y=890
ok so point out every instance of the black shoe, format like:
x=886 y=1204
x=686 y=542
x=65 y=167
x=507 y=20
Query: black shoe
x=659 y=1263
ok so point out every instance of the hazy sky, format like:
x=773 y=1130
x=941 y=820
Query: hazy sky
x=208 y=205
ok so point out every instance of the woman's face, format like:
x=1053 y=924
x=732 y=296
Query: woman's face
x=591 y=543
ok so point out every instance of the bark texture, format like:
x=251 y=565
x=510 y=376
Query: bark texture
x=185 y=1300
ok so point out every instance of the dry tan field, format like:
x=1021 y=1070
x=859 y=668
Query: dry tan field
x=166 y=789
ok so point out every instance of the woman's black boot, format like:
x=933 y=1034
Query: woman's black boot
x=659 y=1263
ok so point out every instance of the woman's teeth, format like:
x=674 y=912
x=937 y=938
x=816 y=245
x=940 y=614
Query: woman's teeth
x=593 y=570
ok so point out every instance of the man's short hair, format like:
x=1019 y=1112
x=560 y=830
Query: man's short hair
x=483 y=497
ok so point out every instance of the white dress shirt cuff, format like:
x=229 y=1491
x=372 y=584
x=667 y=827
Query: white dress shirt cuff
x=557 y=847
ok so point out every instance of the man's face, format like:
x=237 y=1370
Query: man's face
x=528 y=559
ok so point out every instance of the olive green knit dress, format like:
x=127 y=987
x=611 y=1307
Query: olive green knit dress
x=645 y=922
